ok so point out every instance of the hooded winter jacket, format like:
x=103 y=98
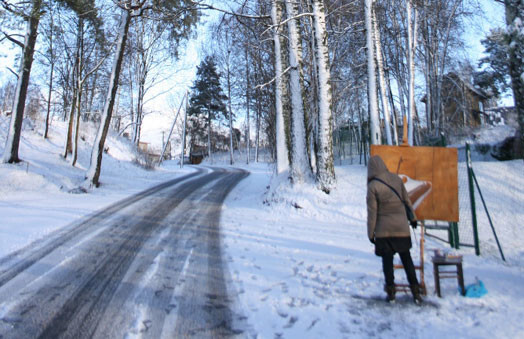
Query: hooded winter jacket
x=386 y=213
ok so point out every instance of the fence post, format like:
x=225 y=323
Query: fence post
x=454 y=235
x=472 y=199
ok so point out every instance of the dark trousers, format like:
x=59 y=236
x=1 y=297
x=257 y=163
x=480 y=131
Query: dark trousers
x=407 y=262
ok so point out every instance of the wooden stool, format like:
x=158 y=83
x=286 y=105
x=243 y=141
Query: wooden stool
x=445 y=261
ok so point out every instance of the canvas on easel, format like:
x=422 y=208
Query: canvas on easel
x=430 y=175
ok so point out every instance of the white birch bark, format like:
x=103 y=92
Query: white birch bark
x=230 y=111
x=324 y=157
x=183 y=150
x=248 y=129
x=281 y=147
x=382 y=81
x=412 y=45
x=374 y=120
x=300 y=168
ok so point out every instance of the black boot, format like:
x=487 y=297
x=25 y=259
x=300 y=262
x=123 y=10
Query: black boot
x=390 y=290
x=415 y=290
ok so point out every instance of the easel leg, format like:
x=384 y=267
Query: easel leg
x=422 y=283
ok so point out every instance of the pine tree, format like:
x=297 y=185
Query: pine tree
x=515 y=38
x=207 y=103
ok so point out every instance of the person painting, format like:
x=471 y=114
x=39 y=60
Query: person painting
x=388 y=226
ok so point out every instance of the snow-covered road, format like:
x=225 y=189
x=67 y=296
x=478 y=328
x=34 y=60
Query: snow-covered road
x=148 y=266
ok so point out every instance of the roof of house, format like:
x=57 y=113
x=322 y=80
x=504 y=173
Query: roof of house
x=454 y=77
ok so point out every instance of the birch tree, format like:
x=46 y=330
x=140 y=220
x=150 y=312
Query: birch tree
x=382 y=80
x=324 y=157
x=374 y=119
x=412 y=46
x=281 y=148
x=300 y=167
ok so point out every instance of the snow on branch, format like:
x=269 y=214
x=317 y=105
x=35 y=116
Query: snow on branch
x=211 y=7
x=261 y=86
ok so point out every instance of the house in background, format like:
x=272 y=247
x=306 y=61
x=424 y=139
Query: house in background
x=463 y=104
x=502 y=116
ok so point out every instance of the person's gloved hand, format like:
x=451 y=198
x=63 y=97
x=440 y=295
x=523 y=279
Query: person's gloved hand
x=413 y=223
x=372 y=240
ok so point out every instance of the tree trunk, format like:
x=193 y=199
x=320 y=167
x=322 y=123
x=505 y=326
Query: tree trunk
x=49 y=95
x=231 y=149
x=259 y=107
x=300 y=167
x=183 y=152
x=325 y=162
x=281 y=145
x=515 y=35
x=374 y=119
x=209 y=134
x=382 y=81
x=15 y=127
x=76 y=124
x=93 y=174
x=248 y=131
x=412 y=45
x=69 y=135
x=80 y=83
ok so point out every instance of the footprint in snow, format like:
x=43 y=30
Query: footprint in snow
x=291 y=322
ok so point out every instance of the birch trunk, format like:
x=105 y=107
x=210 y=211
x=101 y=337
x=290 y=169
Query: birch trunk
x=231 y=149
x=183 y=151
x=93 y=173
x=15 y=127
x=300 y=167
x=281 y=146
x=324 y=157
x=382 y=81
x=209 y=134
x=259 y=107
x=412 y=39
x=248 y=131
x=374 y=119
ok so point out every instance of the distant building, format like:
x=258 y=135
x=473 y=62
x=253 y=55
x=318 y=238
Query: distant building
x=502 y=116
x=463 y=104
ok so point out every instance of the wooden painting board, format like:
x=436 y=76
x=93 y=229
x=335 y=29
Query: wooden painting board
x=437 y=165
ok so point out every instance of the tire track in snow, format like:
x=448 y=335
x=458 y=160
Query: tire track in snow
x=76 y=300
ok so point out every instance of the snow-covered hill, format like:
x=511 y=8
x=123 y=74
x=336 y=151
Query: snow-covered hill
x=35 y=196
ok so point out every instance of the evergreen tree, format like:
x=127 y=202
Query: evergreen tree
x=495 y=77
x=207 y=103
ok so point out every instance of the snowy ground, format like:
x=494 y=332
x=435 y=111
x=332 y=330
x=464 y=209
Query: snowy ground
x=299 y=259
x=307 y=272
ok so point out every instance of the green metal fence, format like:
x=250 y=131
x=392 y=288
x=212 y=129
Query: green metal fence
x=475 y=228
